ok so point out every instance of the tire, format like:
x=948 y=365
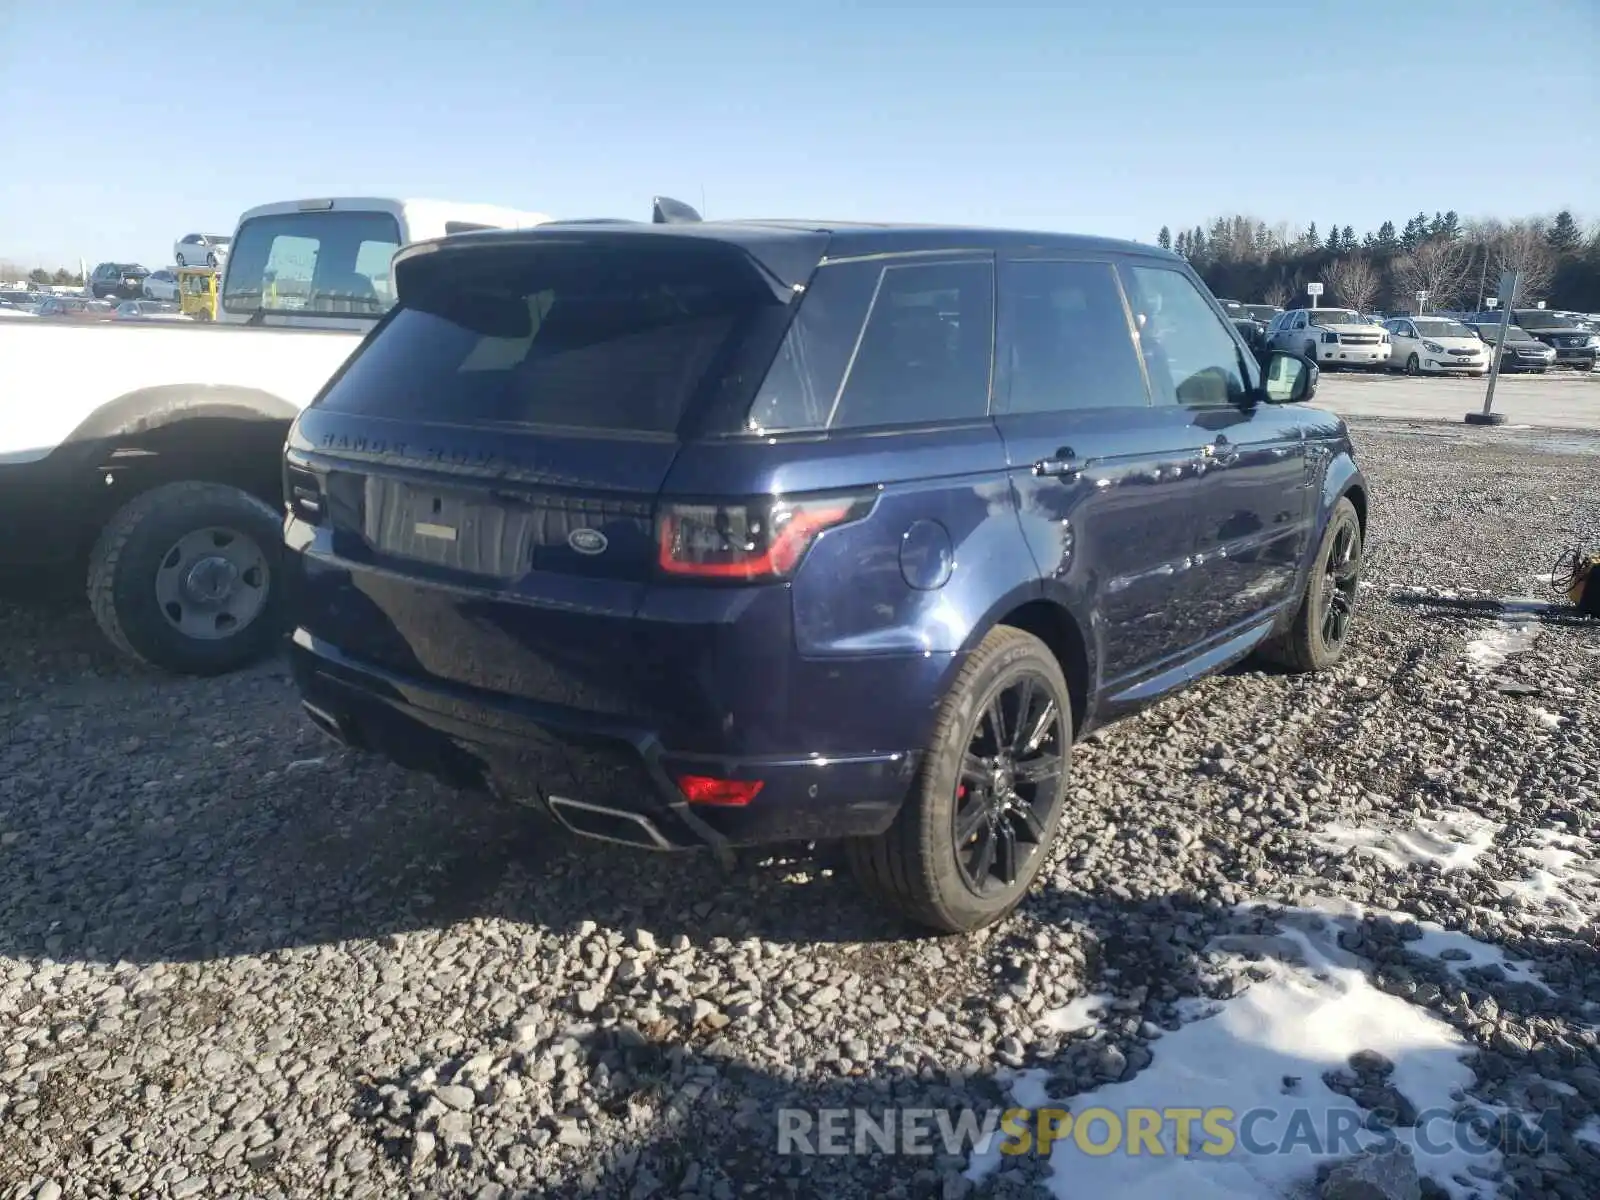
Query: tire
x=181 y=263
x=914 y=866
x=211 y=260
x=169 y=538
x=1413 y=366
x=1307 y=646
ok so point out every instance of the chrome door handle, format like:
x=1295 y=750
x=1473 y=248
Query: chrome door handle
x=1222 y=452
x=1063 y=465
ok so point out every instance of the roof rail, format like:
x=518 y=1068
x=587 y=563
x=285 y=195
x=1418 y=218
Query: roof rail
x=667 y=211
x=593 y=221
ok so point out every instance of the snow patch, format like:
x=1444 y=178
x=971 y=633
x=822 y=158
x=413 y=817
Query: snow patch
x=1452 y=841
x=1267 y=1049
x=1589 y=1131
x=1492 y=649
x=1083 y=1013
x=1563 y=876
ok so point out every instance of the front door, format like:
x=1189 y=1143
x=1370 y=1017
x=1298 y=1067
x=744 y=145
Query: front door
x=1251 y=518
x=1106 y=483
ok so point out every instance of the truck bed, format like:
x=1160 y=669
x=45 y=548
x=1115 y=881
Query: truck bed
x=57 y=375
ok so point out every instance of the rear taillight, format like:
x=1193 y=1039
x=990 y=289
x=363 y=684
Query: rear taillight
x=719 y=793
x=302 y=494
x=752 y=540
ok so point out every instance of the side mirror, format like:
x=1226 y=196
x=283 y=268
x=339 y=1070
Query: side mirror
x=1290 y=379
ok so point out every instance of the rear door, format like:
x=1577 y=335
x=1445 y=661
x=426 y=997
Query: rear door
x=1106 y=483
x=1251 y=515
x=487 y=465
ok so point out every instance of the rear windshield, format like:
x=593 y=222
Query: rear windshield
x=313 y=263
x=563 y=336
x=1437 y=328
x=1541 y=320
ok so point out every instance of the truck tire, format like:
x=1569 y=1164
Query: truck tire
x=185 y=577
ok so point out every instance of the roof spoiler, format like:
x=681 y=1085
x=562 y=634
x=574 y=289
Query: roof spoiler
x=667 y=211
x=664 y=210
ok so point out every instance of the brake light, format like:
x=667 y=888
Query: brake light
x=720 y=793
x=758 y=539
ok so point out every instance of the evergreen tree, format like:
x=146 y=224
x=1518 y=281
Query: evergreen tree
x=1563 y=234
x=1164 y=238
x=1311 y=239
x=1386 y=239
x=1335 y=240
x=1349 y=238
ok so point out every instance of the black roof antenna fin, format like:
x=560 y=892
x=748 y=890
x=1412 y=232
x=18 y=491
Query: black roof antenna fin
x=667 y=211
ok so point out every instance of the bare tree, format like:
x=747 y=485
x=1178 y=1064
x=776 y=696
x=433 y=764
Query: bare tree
x=1277 y=294
x=1443 y=269
x=1522 y=246
x=1354 y=281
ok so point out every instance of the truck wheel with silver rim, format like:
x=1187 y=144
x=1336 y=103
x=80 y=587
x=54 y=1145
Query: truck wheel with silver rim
x=186 y=577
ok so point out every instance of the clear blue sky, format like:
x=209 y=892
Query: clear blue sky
x=127 y=123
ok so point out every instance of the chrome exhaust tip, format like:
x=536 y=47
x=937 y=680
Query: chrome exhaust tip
x=327 y=722
x=609 y=824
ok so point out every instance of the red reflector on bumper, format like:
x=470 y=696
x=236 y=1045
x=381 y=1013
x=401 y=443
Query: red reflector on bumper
x=726 y=793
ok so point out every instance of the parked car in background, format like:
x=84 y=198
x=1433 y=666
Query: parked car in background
x=1575 y=344
x=1522 y=351
x=719 y=534
x=201 y=250
x=1265 y=313
x=75 y=308
x=1330 y=337
x=147 y=454
x=124 y=281
x=8 y=309
x=1435 y=346
x=149 y=310
x=20 y=297
x=161 y=285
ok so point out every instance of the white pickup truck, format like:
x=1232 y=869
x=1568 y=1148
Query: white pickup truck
x=148 y=455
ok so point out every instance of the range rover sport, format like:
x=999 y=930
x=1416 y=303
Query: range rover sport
x=721 y=534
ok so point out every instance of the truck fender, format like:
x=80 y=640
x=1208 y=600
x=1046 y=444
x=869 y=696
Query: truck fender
x=149 y=409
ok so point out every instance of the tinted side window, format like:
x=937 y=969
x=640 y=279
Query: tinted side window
x=926 y=352
x=884 y=344
x=1191 y=356
x=1065 y=338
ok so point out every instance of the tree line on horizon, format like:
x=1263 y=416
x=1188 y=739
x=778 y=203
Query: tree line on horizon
x=60 y=277
x=1458 y=263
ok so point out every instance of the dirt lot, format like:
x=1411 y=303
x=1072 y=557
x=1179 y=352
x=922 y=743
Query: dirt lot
x=235 y=960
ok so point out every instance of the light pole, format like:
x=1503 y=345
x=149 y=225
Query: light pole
x=1509 y=282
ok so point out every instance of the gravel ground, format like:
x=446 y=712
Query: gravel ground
x=235 y=960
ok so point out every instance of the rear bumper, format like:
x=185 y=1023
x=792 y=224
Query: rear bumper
x=608 y=778
x=1583 y=357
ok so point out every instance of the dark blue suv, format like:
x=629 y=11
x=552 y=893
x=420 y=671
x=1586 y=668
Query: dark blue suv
x=720 y=534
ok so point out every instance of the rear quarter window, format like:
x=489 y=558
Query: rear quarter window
x=878 y=343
